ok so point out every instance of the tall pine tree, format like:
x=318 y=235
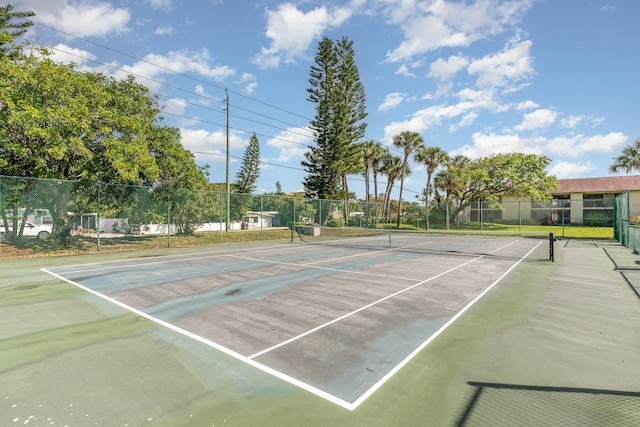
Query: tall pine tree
x=249 y=171
x=338 y=93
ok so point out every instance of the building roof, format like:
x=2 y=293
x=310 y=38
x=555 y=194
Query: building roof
x=607 y=184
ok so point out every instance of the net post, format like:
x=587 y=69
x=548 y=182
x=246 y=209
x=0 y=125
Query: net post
x=551 y=247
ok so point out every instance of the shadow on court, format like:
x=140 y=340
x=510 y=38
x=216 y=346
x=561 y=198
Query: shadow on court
x=493 y=404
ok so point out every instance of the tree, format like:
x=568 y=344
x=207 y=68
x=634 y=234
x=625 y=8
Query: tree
x=12 y=25
x=62 y=124
x=368 y=155
x=392 y=168
x=432 y=158
x=322 y=177
x=409 y=142
x=349 y=102
x=338 y=125
x=514 y=174
x=376 y=165
x=629 y=160
x=279 y=189
x=249 y=171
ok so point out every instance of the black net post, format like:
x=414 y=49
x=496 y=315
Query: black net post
x=551 y=247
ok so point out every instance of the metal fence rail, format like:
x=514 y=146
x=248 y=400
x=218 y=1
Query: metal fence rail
x=47 y=215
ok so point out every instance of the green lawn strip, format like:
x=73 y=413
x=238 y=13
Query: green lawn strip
x=23 y=349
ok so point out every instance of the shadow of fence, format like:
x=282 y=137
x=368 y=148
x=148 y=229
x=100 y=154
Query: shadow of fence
x=492 y=404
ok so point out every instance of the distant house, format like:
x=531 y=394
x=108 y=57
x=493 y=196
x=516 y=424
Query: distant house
x=257 y=220
x=576 y=201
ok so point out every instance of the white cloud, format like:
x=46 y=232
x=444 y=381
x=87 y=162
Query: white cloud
x=426 y=118
x=526 y=105
x=564 y=146
x=292 y=31
x=66 y=54
x=160 y=4
x=164 y=30
x=249 y=81
x=203 y=141
x=601 y=143
x=563 y=170
x=403 y=70
x=511 y=65
x=181 y=61
x=392 y=100
x=292 y=143
x=540 y=118
x=443 y=69
x=175 y=106
x=81 y=18
x=572 y=121
x=432 y=24
x=467 y=120
x=488 y=144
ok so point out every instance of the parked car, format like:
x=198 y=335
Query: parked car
x=30 y=230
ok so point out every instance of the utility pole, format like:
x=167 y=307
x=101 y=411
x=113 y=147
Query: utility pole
x=228 y=188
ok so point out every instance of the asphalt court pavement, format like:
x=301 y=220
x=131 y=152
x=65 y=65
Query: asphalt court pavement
x=336 y=321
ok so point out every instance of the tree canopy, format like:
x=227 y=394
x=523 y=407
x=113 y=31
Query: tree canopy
x=628 y=160
x=249 y=171
x=12 y=24
x=62 y=124
x=339 y=98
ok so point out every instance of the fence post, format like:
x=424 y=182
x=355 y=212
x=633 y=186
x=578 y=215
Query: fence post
x=98 y=219
x=169 y=219
x=220 y=215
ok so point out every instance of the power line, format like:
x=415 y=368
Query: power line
x=208 y=83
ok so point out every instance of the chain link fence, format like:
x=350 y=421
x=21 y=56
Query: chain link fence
x=53 y=216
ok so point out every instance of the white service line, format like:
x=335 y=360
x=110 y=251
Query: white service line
x=311 y=266
x=302 y=385
x=318 y=392
x=331 y=322
x=406 y=360
x=166 y=259
x=365 y=253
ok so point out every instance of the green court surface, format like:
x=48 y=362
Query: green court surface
x=525 y=343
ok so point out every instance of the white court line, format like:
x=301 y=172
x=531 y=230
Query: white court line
x=407 y=359
x=174 y=258
x=302 y=385
x=318 y=392
x=314 y=267
x=331 y=322
x=366 y=253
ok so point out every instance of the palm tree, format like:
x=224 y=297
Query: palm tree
x=409 y=142
x=629 y=159
x=445 y=180
x=376 y=165
x=368 y=152
x=432 y=158
x=392 y=168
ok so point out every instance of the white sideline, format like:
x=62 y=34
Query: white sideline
x=302 y=385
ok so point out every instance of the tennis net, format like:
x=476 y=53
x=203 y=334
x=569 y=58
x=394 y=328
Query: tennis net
x=465 y=243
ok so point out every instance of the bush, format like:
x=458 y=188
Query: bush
x=597 y=219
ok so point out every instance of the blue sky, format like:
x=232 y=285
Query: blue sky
x=473 y=77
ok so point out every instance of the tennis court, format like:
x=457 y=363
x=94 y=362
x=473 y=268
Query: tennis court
x=337 y=320
x=341 y=334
